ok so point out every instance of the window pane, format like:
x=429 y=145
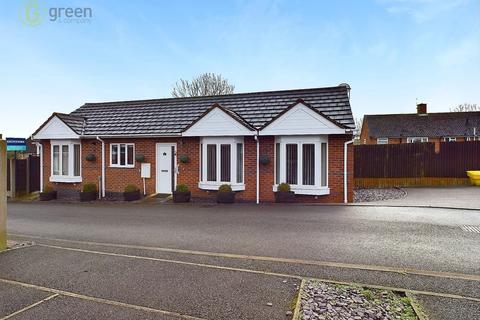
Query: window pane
x=56 y=160
x=211 y=162
x=130 y=155
x=225 y=162
x=277 y=163
x=114 y=153
x=122 y=154
x=240 y=162
x=323 y=164
x=65 y=160
x=292 y=163
x=308 y=164
x=76 y=160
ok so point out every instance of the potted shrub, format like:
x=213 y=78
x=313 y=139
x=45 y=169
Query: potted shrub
x=284 y=194
x=48 y=194
x=89 y=192
x=181 y=194
x=225 y=194
x=131 y=193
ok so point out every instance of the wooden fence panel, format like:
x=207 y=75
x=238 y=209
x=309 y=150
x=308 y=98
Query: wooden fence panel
x=416 y=162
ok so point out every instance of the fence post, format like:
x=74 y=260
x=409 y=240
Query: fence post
x=13 y=178
x=3 y=194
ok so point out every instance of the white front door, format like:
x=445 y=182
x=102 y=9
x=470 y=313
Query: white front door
x=165 y=167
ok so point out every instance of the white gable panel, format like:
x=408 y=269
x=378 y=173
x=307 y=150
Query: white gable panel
x=301 y=120
x=56 y=129
x=217 y=123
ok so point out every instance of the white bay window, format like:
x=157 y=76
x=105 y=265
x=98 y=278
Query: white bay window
x=66 y=161
x=302 y=162
x=221 y=163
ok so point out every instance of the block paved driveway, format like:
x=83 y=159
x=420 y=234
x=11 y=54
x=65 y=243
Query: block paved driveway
x=137 y=261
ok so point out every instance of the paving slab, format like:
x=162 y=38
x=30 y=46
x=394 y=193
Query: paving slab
x=190 y=290
x=440 y=308
x=14 y=298
x=61 y=308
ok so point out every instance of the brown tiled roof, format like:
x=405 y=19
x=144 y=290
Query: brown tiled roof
x=444 y=124
x=173 y=115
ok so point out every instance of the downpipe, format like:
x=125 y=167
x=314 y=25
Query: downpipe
x=103 y=167
x=345 y=172
x=258 y=169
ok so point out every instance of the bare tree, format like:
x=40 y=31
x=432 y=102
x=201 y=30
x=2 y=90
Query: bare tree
x=358 y=127
x=465 y=107
x=206 y=84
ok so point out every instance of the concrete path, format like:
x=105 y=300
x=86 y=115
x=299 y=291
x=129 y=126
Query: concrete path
x=446 y=197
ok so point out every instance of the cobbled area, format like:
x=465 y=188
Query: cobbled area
x=366 y=195
x=322 y=301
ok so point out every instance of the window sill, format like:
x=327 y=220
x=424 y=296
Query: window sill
x=123 y=167
x=308 y=190
x=65 y=179
x=216 y=185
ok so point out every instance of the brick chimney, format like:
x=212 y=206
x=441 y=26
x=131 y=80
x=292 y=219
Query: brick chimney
x=422 y=109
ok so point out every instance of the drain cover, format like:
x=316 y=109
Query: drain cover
x=471 y=229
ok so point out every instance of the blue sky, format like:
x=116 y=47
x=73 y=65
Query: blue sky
x=391 y=52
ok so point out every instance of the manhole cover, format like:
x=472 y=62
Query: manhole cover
x=471 y=229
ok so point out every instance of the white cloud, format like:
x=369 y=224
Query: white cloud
x=422 y=10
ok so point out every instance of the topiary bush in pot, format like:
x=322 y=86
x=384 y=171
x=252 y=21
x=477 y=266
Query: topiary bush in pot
x=89 y=192
x=48 y=194
x=181 y=194
x=284 y=194
x=225 y=194
x=131 y=193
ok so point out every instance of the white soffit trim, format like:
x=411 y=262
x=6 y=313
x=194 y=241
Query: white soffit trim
x=56 y=129
x=300 y=119
x=217 y=123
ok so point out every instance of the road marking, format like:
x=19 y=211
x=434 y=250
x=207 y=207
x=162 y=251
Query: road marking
x=99 y=300
x=267 y=273
x=471 y=229
x=30 y=306
x=436 y=274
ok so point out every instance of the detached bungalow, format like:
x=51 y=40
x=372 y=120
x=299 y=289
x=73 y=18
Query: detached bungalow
x=252 y=141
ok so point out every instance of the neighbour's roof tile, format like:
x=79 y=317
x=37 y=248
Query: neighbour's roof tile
x=442 y=124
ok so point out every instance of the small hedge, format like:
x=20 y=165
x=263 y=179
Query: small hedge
x=182 y=188
x=131 y=188
x=283 y=187
x=225 y=188
x=89 y=187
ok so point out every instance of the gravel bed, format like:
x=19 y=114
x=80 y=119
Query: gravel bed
x=366 y=195
x=322 y=301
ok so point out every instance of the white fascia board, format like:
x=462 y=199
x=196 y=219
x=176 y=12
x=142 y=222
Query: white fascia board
x=217 y=123
x=301 y=120
x=56 y=129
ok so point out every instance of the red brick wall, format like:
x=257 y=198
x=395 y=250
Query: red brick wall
x=189 y=173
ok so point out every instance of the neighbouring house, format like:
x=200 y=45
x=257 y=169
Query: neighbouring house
x=420 y=127
x=252 y=141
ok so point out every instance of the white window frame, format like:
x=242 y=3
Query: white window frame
x=70 y=177
x=449 y=139
x=382 y=140
x=218 y=141
x=414 y=139
x=299 y=188
x=126 y=165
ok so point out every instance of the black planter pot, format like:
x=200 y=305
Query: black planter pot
x=225 y=197
x=132 y=196
x=47 y=196
x=88 y=196
x=285 y=196
x=179 y=196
